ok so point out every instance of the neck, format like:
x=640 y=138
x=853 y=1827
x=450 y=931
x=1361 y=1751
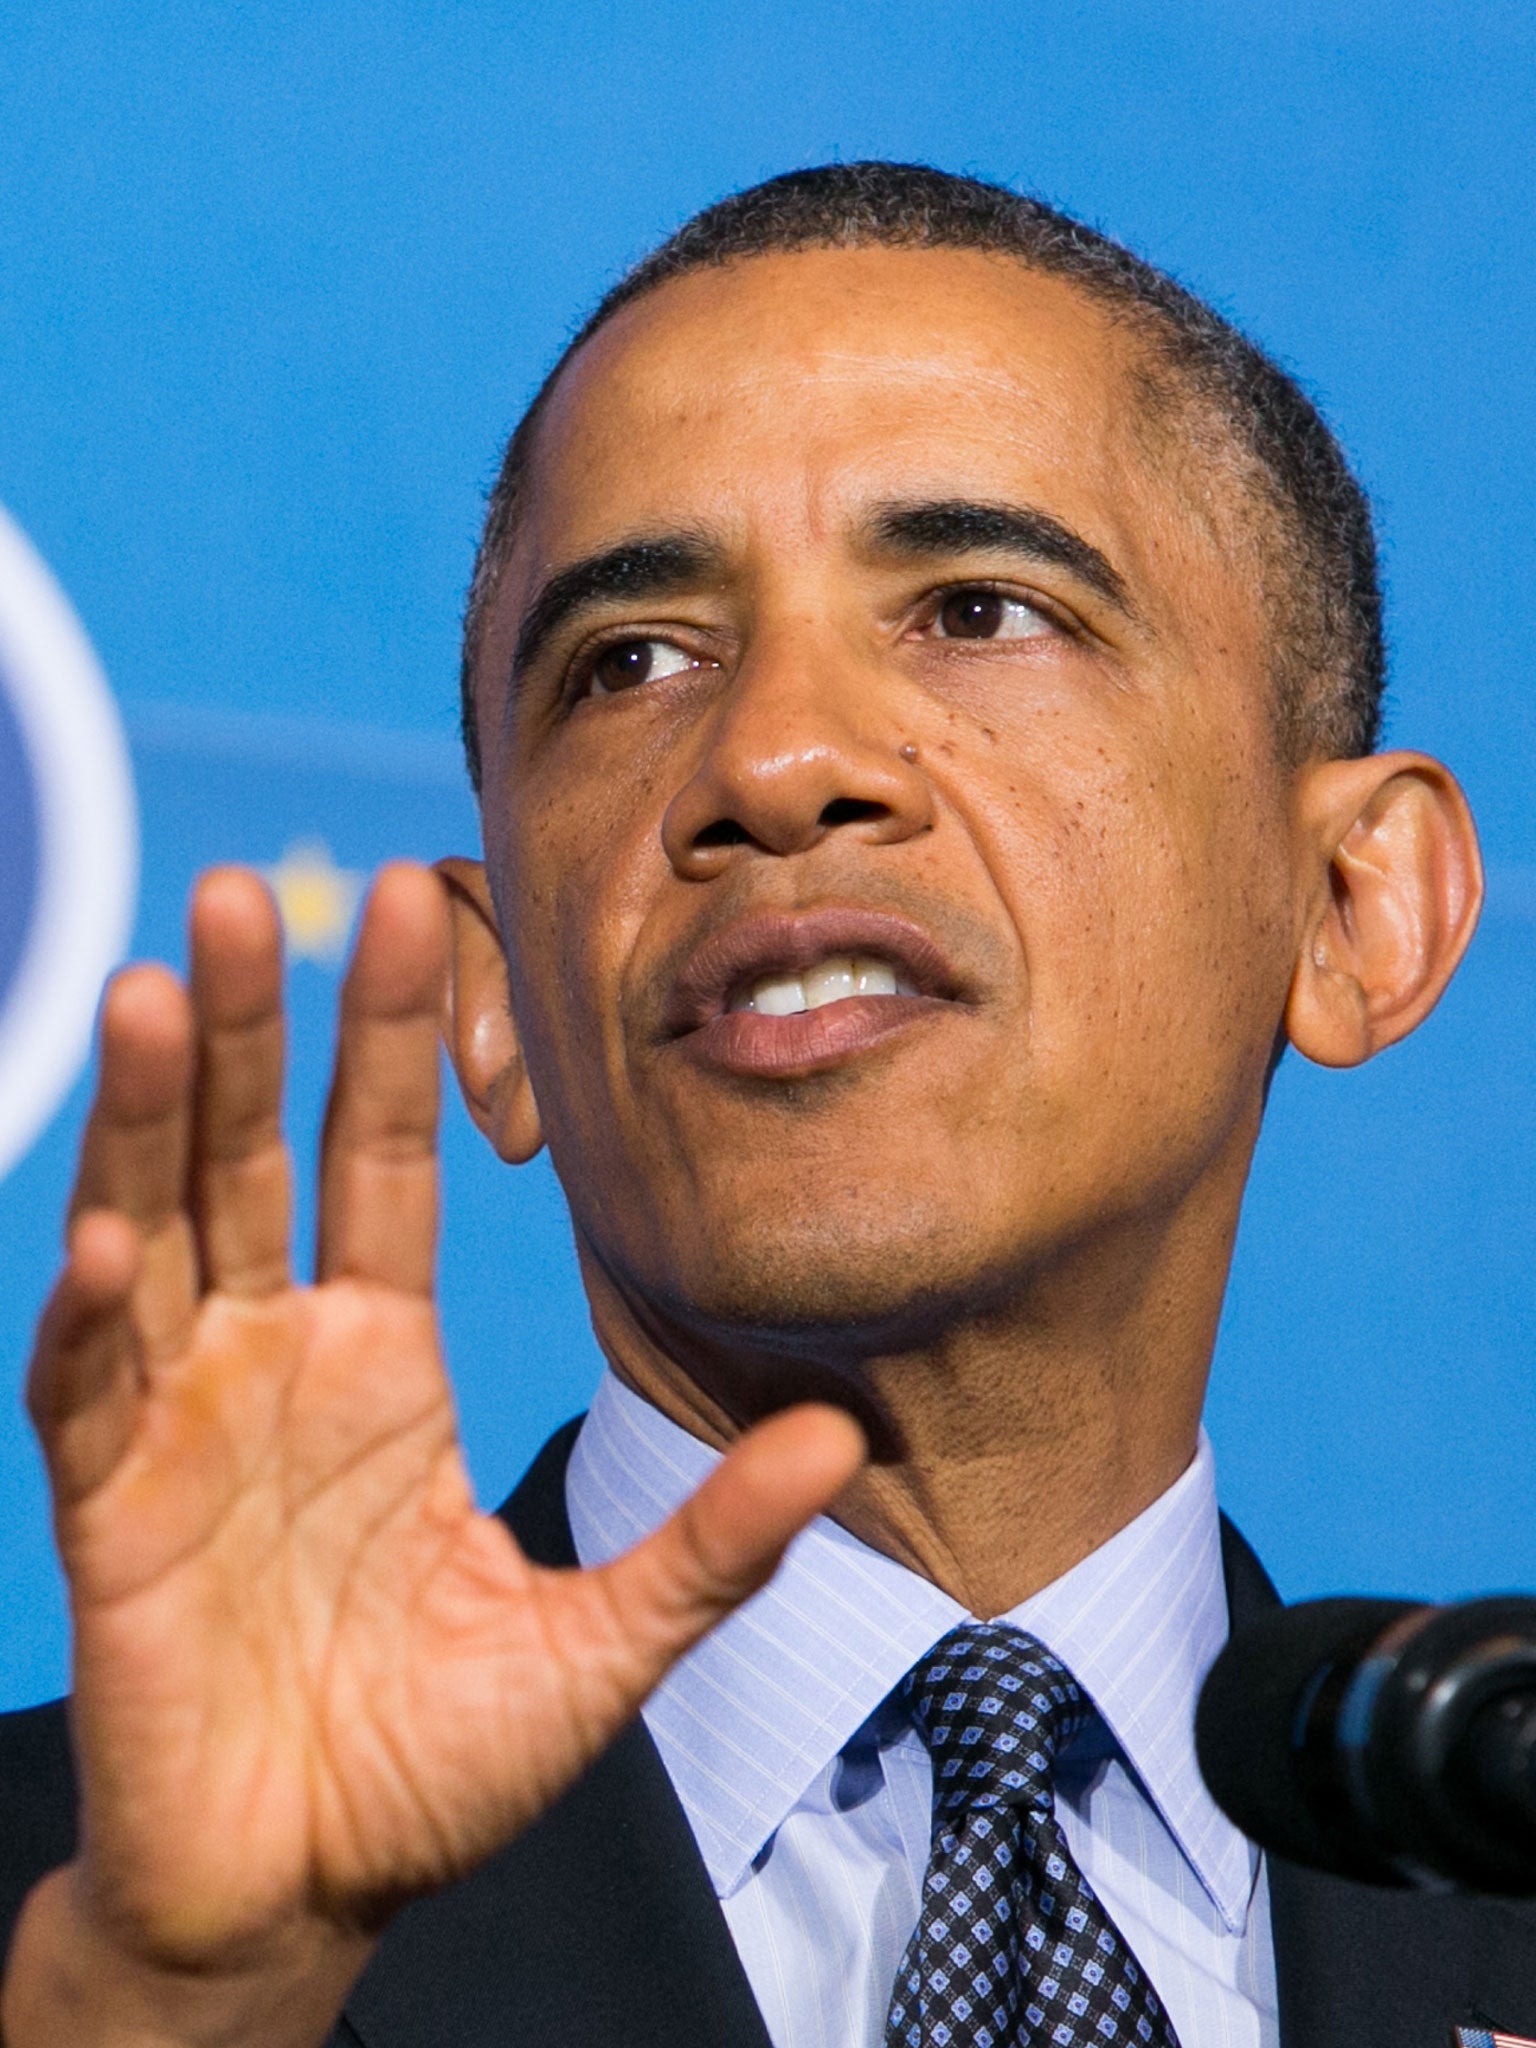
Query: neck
x=1008 y=1445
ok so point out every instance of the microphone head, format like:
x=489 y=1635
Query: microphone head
x=1250 y=1724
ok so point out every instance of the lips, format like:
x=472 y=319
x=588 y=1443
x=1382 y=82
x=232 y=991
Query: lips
x=706 y=1013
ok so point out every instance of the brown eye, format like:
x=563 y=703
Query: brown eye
x=628 y=662
x=980 y=614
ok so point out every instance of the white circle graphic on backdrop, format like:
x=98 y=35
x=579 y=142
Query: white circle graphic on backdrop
x=69 y=842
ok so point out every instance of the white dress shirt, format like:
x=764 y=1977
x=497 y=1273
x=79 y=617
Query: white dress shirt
x=810 y=1794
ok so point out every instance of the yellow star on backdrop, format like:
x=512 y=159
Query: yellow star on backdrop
x=317 y=900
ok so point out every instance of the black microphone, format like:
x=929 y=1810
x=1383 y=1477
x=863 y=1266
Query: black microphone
x=1382 y=1740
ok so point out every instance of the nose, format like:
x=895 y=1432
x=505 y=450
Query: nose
x=798 y=747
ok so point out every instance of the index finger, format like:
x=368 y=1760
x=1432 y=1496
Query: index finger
x=378 y=1177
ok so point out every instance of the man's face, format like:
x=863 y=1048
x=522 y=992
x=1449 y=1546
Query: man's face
x=884 y=818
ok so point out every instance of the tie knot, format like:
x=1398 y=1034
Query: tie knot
x=995 y=1709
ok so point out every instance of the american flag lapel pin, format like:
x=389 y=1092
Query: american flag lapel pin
x=1488 y=2037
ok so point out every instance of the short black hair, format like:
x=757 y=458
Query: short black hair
x=1321 y=578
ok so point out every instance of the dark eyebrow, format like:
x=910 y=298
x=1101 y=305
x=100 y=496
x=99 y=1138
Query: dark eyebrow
x=953 y=526
x=652 y=565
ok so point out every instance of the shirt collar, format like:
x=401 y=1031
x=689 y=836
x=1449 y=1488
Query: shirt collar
x=1139 y=1622
x=757 y=1710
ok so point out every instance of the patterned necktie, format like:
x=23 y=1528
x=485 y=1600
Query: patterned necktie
x=1012 y=1947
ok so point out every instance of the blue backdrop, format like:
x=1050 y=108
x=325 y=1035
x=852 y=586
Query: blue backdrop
x=274 y=283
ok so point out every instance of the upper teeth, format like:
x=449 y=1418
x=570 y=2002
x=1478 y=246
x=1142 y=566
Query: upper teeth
x=829 y=981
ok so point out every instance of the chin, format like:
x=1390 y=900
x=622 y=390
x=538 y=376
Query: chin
x=858 y=1283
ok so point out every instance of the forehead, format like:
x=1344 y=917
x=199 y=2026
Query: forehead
x=808 y=383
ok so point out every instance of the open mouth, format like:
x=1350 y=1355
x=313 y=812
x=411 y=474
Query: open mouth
x=832 y=980
x=792 y=994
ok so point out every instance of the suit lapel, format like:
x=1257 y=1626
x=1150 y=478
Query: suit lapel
x=1359 y=1966
x=598 y=1926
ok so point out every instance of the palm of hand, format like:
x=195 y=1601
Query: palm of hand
x=311 y=1679
x=298 y=1641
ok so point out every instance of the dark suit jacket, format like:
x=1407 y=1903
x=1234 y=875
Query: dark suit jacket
x=599 y=1928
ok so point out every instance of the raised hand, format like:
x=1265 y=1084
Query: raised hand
x=311 y=1679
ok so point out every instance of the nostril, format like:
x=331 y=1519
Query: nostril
x=724 y=832
x=852 y=810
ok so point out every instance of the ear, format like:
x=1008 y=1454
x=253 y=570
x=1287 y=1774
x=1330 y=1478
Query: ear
x=1396 y=889
x=478 y=1028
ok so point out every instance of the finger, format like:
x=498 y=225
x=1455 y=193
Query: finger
x=726 y=1540
x=84 y=1382
x=134 y=1156
x=378 y=1182
x=240 y=1167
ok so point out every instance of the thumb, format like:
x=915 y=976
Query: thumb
x=724 y=1542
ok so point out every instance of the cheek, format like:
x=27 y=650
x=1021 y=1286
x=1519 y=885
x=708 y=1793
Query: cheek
x=580 y=871
x=1148 y=907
